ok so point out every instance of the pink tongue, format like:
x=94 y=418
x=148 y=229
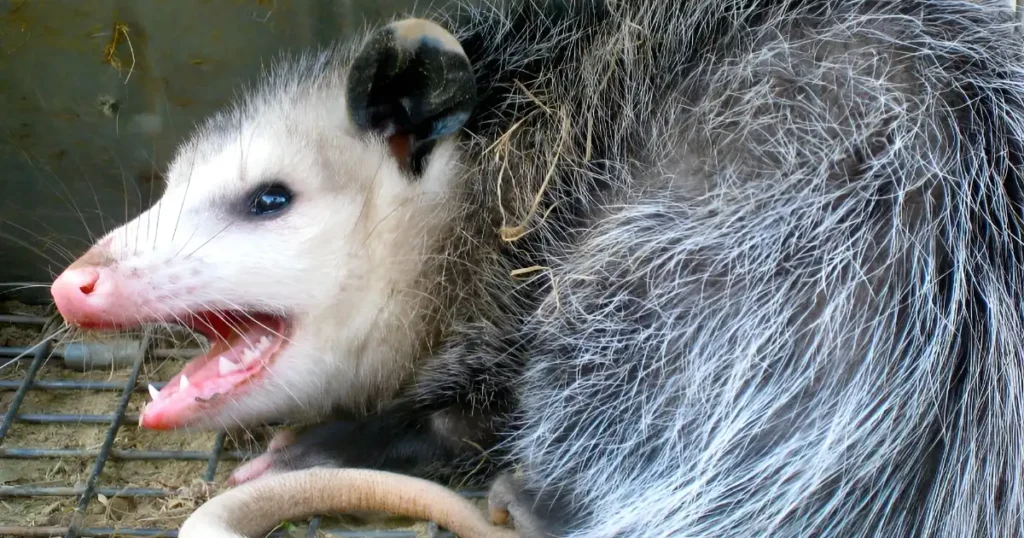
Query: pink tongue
x=206 y=379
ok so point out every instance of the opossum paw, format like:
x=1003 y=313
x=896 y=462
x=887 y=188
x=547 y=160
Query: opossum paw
x=262 y=465
x=507 y=500
x=251 y=470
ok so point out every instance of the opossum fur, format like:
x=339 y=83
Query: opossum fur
x=777 y=271
x=701 y=268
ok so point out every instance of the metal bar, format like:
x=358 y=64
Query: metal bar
x=24 y=320
x=185 y=353
x=42 y=352
x=23 y=353
x=214 y=457
x=314 y=525
x=65 y=384
x=36 y=491
x=120 y=454
x=43 y=418
x=108 y=443
x=106 y=532
x=47 y=532
x=40 y=418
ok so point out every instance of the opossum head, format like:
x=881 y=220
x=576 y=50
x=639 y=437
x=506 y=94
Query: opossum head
x=293 y=234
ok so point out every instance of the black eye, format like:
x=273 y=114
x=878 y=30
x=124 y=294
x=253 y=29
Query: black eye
x=270 y=199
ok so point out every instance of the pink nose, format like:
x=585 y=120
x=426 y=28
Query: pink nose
x=84 y=295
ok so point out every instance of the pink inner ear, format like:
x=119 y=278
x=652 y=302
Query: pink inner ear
x=400 y=146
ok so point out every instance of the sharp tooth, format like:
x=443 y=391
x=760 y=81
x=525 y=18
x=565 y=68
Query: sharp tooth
x=153 y=393
x=226 y=367
x=183 y=383
x=264 y=341
x=249 y=356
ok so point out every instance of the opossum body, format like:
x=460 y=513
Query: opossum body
x=699 y=268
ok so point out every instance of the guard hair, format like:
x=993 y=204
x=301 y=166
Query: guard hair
x=738 y=268
x=701 y=268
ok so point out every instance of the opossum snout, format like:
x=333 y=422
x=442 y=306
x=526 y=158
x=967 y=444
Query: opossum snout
x=86 y=293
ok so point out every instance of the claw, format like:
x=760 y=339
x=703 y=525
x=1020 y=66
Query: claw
x=506 y=503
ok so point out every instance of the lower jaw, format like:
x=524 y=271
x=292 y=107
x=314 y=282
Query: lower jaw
x=235 y=363
x=201 y=414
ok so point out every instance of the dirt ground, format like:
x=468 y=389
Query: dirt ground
x=184 y=478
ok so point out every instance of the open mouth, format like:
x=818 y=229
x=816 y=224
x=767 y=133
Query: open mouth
x=243 y=346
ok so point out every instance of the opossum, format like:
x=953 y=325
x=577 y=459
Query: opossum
x=698 y=268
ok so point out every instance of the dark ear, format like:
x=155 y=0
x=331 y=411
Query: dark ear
x=412 y=84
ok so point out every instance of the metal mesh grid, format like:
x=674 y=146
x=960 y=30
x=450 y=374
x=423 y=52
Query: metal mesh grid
x=93 y=487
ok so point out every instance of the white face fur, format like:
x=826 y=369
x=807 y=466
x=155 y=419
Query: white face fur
x=336 y=262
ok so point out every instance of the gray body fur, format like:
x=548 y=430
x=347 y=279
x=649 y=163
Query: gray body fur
x=772 y=286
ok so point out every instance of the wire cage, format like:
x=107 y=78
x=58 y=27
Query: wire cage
x=58 y=485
